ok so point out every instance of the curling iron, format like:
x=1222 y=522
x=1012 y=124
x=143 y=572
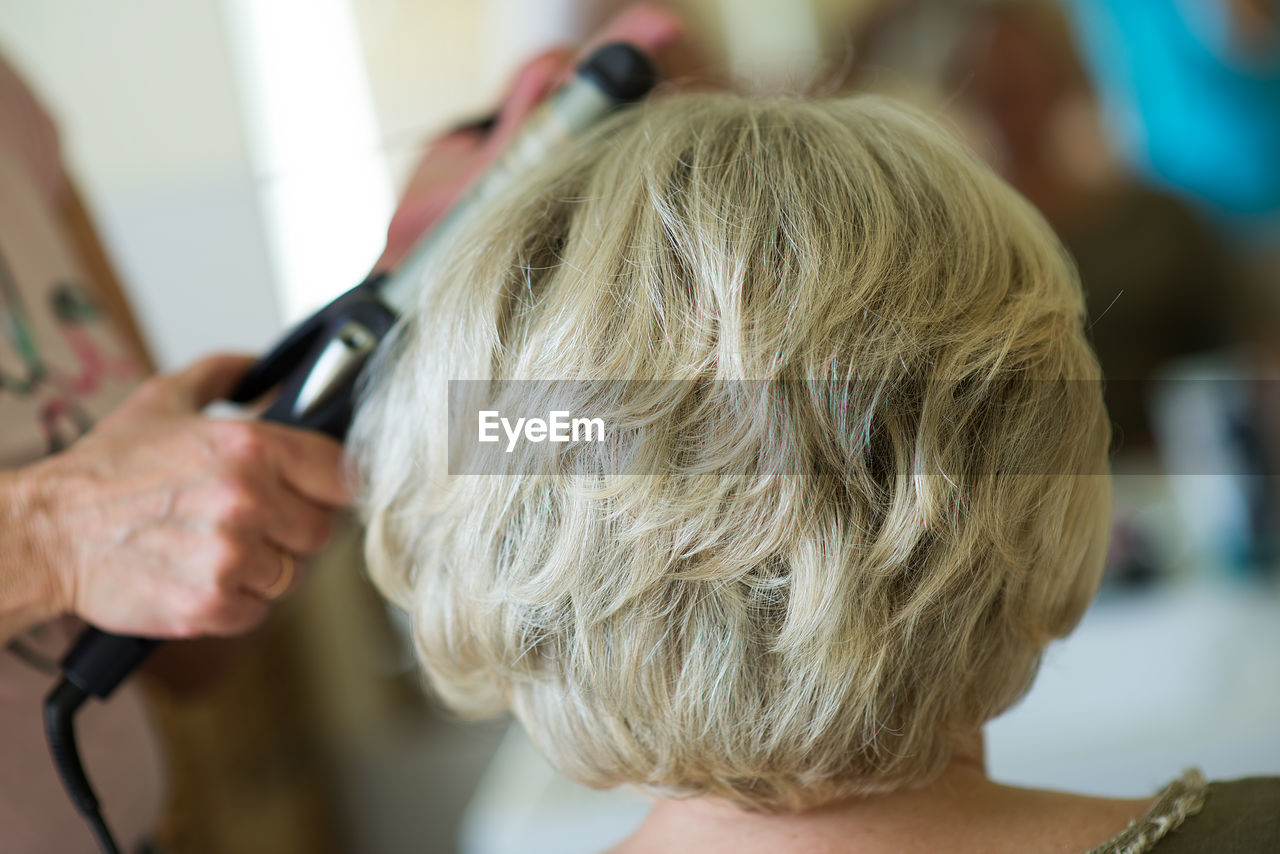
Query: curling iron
x=316 y=366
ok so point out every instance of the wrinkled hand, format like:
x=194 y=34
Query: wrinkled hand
x=163 y=522
x=452 y=163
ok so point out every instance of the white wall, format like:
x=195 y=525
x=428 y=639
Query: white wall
x=143 y=93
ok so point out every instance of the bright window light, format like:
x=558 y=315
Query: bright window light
x=324 y=187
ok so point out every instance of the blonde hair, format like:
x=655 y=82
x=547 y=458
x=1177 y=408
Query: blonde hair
x=918 y=518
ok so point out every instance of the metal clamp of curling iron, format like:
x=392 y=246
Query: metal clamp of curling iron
x=316 y=367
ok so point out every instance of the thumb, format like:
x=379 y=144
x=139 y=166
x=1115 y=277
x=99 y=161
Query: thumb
x=207 y=380
x=533 y=83
x=648 y=26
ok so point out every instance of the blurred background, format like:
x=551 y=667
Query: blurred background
x=242 y=159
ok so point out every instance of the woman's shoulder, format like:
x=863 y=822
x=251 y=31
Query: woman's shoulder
x=1192 y=815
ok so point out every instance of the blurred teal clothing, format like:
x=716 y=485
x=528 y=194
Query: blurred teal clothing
x=1188 y=109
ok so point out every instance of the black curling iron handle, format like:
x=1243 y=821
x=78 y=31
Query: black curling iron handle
x=316 y=369
x=100 y=660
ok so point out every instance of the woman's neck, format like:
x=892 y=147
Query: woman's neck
x=960 y=811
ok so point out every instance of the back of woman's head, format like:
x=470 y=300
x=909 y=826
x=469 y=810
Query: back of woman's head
x=871 y=490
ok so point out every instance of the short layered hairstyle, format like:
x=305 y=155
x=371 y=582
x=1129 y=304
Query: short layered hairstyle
x=805 y=595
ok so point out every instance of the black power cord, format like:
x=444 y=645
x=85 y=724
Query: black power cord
x=60 y=708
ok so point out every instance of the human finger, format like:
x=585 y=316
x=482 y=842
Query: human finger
x=437 y=182
x=294 y=523
x=239 y=612
x=535 y=80
x=309 y=463
x=648 y=26
x=209 y=379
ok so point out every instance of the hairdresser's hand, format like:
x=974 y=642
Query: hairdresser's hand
x=163 y=522
x=452 y=162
